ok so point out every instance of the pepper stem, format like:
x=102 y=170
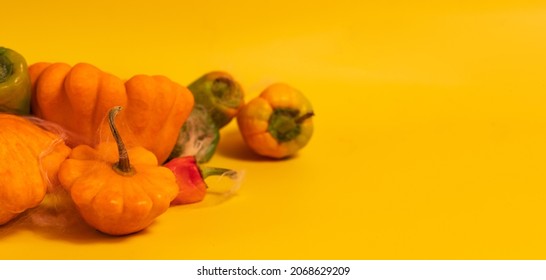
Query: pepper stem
x=304 y=117
x=216 y=171
x=285 y=125
x=123 y=166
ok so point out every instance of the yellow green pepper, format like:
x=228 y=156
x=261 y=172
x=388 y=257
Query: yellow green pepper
x=277 y=123
x=15 y=86
x=220 y=94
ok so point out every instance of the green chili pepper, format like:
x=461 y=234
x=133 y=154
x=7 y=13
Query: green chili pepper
x=15 y=86
x=220 y=94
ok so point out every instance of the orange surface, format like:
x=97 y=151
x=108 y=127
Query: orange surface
x=430 y=125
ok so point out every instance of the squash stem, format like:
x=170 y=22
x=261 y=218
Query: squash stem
x=123 y=166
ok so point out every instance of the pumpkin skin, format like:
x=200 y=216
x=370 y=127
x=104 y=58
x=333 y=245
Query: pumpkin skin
x=112 y=197
x=156 y=107
x=112 y=203
x=31 y=157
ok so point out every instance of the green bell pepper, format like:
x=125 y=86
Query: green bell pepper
x=15 y=85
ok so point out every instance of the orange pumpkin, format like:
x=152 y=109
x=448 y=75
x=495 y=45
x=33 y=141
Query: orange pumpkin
x=31 y=157
x=114 y=195
x=79 y=97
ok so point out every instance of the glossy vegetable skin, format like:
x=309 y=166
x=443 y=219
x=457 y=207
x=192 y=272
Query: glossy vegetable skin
x=15 y=86
x=117 y=190
x=278 y=122
x=79 y=97
x=190 y=178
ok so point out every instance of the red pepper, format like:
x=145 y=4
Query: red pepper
x=190 y=178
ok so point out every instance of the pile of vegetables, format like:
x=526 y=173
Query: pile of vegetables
x=125 y=151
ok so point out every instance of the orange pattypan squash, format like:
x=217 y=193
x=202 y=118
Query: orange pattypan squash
x=114 y=195
x=31 y=157
x=79 y=97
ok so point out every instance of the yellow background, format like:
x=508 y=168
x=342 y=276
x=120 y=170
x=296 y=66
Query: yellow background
x=430 y=138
